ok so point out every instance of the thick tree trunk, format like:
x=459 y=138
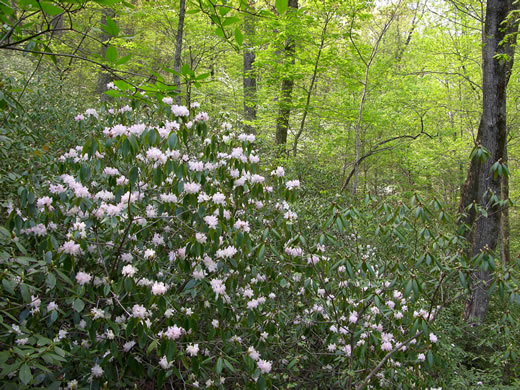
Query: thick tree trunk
x=482 y=184
x=178 y=49
x=284 y=110
x=249 y=81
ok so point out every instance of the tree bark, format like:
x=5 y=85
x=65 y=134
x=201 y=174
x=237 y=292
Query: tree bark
x=178 y=50
x=249 y=81
x=104 y=77
x=284 y=110
x=483 y=186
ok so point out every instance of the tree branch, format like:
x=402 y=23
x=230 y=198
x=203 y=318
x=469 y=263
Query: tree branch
x=377 y=150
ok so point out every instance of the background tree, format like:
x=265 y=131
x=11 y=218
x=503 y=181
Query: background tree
x=178 y=49
x=285 y=101
x=249 y=80
x=482 y=190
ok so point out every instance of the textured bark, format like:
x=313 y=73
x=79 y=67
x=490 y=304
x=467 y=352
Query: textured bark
x=104 y=77
x=481 y=184
x=178 y=49
x=249 y=81
x=284 y=109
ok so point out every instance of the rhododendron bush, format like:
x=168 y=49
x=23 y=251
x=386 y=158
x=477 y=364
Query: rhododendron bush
x=166 y=254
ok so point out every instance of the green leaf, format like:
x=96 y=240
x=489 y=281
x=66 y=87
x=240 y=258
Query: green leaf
x=172 y=140
x=79 y=305
x=260 y=384
x=26 y=261
x=281 y=6
x=54 y=316
x=9 y=368
x=185 y=70
x=239 y=37
x=202 y=76
x=25 y=293
x=157 y=176
x=429 y=358
x=90 y=147
x=462 y=278
x=50 y=9
x=230 y=21
x=111 y=27
x=220 y=365
x=25 y=374
x=43 y=341
x=152 y=346
x=6 y=10
x=222 y=10
x=132 y=323
x=172 y=71
x=229 y=366
x=123 y=60
x=9 y=285
x=4 y=356
x=219 y=32
x=408 y=288
x=261 y=252
x=114 y=93
x=171 y=349
x=51 y=281
x=123 y=85
x=134 y=175
x=292 y=363
x=111 y=54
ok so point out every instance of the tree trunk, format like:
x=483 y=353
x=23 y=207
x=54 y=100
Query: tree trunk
x=249 y=81
x=311 y=86
x=482 y=184
x=178 y=50
x=284 y=110
x=104 y=77
x=368 y=63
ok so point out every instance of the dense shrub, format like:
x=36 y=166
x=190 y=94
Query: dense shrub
x=163 y=255
x=36 y=123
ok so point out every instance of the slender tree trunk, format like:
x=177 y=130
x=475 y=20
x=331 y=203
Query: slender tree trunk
x=311 y=86
x=104 y=77
x=284 y=109
x=14 y=6
x=368 y=63
x=249 y=81
x=482 y=184
x=178 y=49
x=57 y=24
